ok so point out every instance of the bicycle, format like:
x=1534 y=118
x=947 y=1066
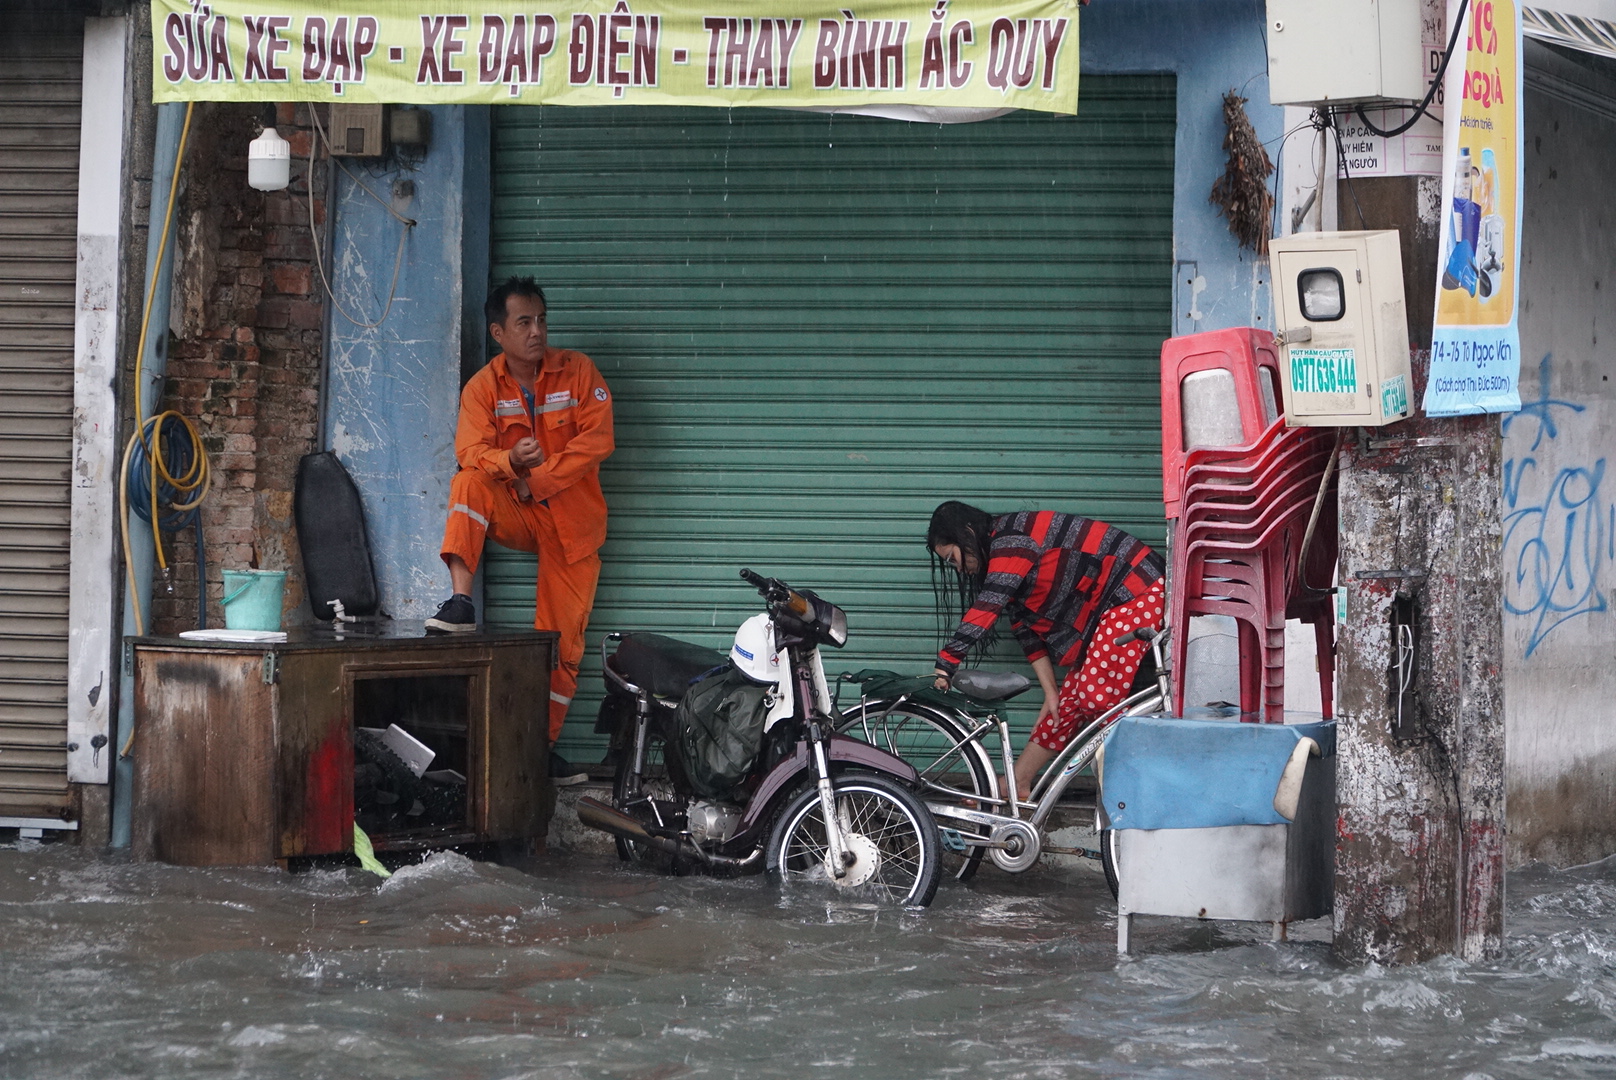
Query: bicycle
x=942 y=733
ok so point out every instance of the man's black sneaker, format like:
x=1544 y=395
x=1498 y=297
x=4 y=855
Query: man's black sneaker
x=456 y=615
x=563 y=774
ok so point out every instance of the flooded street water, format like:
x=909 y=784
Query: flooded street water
x=565 y=967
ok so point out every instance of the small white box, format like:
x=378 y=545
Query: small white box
x=1345 y=52
x=1338 y=301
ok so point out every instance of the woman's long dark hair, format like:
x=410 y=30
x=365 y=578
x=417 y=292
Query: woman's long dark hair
x=954 y=591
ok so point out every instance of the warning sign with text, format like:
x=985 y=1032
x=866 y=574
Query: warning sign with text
x=1417 y=151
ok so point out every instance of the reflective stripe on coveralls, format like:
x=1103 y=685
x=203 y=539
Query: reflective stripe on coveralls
x=462 y=508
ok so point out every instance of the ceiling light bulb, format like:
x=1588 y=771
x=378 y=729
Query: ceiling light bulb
x=269 y=162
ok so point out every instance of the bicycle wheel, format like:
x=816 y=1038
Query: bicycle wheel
x=888 y=830
x=951 y=768
x=649 y=800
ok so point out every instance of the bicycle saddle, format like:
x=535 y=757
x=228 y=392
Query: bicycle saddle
x=991 y=685
x=663 y=666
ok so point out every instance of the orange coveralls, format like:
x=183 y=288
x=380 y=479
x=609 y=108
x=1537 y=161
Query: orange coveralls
x=555 y=509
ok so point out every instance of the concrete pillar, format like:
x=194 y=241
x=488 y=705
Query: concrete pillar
x=1420 y=831
x=394 y=390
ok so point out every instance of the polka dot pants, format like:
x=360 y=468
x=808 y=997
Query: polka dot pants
x=1106 y=674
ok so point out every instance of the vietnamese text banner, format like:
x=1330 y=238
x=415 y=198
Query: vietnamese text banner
x=1475 y=337
x=974 y=54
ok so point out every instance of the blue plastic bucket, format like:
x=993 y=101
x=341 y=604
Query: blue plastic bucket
x=252 y=599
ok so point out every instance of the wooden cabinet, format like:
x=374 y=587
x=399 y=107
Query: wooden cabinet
x=245 y=754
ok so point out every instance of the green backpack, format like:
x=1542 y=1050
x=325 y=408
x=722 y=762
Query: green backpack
x=718 y=729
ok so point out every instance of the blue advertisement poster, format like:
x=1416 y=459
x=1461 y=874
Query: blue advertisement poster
x=1475 y=339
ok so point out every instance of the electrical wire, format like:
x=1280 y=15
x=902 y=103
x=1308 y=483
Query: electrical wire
x=1346 y=170
x=320 y=129
x=1436 y=84
x=1405 y=667
x=140 y=434
x=1419 y=111
x=1316 y=156
x=319 y=258
x=1279 y=172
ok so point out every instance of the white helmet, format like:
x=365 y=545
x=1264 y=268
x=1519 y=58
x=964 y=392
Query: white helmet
x=753 y=653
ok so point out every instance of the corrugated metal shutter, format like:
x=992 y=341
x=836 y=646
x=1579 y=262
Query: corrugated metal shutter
x=40 y=67
x=819 y=327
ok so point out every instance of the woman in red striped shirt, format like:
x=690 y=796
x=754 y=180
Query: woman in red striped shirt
x=1071 y=586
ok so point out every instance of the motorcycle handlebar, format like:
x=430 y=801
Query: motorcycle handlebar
x=776 y=591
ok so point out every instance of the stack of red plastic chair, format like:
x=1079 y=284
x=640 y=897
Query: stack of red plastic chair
x=1238 y=543
x=1220 y=387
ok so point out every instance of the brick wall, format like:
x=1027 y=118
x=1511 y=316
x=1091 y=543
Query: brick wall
x=245 y=351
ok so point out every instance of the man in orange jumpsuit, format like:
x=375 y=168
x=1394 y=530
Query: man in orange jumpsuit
x=535 y=424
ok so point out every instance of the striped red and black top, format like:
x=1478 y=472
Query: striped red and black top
x=1054 y=574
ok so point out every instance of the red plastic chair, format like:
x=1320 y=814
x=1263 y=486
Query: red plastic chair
x=1256 y=561
x=1202 y=455
x=1217 y=388
x=1243 y=559
x=1220 y=476
x=1217 y=467
x=1247 y=582
x=1245 y=502
x=1242 y=487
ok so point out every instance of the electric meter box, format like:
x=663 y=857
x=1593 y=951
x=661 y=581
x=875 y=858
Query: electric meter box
x=358 y=130
x=1346 y=52
x=1338 y=298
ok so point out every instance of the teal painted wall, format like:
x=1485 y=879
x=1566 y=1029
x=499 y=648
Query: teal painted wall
x=1213 y=46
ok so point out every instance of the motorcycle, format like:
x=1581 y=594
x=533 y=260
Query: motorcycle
x=732 y=764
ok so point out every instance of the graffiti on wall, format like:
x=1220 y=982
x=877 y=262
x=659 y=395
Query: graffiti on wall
x=1559 y=522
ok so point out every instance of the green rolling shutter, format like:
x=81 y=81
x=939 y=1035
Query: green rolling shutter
x=818 y=327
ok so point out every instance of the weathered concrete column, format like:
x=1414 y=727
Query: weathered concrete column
x=1420 y=788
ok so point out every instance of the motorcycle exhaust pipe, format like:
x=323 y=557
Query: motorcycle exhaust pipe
x=597 y=815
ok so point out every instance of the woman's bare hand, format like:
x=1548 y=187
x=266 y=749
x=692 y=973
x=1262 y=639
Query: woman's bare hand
x=942 y=681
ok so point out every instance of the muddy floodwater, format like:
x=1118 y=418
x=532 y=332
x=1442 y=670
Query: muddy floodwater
x=564 y=967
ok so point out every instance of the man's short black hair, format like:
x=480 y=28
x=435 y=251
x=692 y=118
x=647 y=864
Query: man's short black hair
x=494 y=307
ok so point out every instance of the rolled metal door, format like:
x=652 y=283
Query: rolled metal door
x=40 y=71
x=817 y=327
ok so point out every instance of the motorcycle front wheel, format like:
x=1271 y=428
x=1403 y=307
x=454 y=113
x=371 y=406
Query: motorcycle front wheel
x=951 y=766
x=889 y=832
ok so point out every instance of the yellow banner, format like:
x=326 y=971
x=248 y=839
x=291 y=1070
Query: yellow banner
x=977 y=54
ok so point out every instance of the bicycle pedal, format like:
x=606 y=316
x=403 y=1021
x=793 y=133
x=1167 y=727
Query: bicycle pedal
x=953 y=841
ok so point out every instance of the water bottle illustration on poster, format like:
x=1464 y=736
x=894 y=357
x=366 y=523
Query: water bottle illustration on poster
x=1476 y=258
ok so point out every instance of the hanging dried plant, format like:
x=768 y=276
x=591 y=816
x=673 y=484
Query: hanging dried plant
x=1241 y=193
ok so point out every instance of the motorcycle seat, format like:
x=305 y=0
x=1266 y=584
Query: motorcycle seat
x=990 y=685
x=663 y=666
